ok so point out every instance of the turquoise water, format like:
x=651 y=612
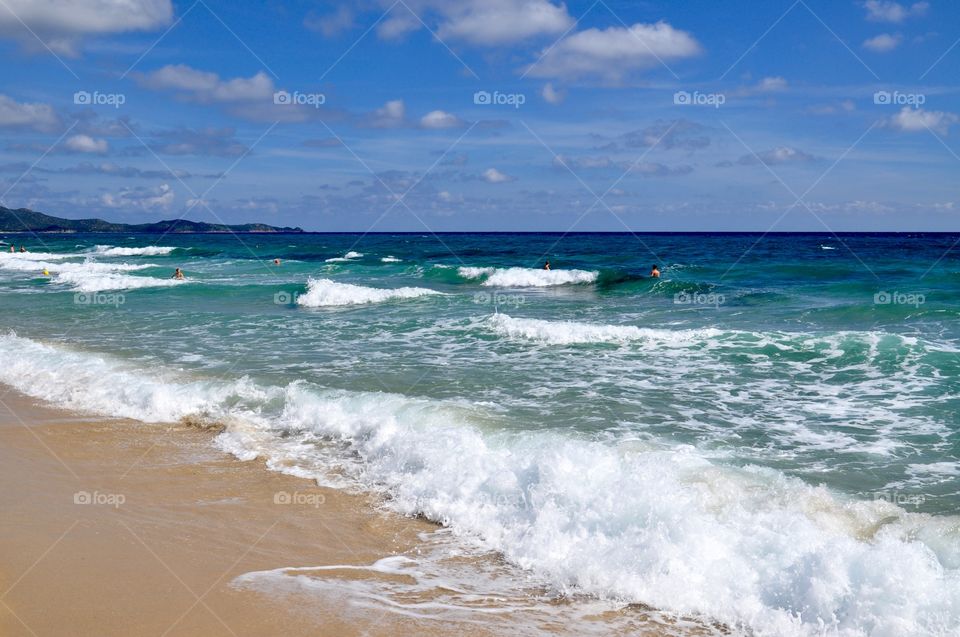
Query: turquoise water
x=790 y=398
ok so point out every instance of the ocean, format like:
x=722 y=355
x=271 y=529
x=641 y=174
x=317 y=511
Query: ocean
x=767 y=436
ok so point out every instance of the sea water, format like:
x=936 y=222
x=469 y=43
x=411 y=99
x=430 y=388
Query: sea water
x=766 y=436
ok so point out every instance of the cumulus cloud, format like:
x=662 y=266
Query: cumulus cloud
x=889 y=11
x=146 y=199
x=611 y=53
x=552 y=95
x=203 y=141
x=27 y=115
x=774 y=156
x=883 y=43
x=393 y=114
x=666 y=135
x=912 y=120
x=440 y=120
x=493 y=22
x=331 y=24
x=480 y=22
x=85 y=144
x=61 y=24
x=494 y=176
x=204 y=86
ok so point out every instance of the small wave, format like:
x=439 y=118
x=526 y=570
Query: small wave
x=389 y=259
x=526 y=277
x=666 y=527
x=149 y=251
x=324 y=292
x=827 y=248
x=96 y=282
x=570 y=332
x=349 y=256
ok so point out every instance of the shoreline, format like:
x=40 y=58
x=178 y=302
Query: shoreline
x=116 y=527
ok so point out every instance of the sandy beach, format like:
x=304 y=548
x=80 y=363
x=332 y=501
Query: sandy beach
x=115 y=527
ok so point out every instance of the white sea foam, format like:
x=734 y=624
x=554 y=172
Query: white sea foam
x=656 y=523
x=571 y=332
x=526 y=277
x=389 y=259
x=88 y=275
x=324 y=292
x=349 y=256
x=111 y=251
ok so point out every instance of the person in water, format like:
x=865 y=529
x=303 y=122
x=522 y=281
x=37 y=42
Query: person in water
x=276 y=262
x=546 y=266
x=655 y=271
x=178 y=275
x=11 y=248
x=22 y=249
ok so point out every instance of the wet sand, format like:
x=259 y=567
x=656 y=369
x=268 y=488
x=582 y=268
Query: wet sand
x=114 y=527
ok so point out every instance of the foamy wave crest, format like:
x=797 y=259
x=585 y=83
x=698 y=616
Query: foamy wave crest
x=111 y=251
x=90 y=276
x=324 y=292
x=350 y=256
x=87 y=281
x=570 y=332
x=527 y=277
x=658 y=525
x=389 y=259
x=666 y=528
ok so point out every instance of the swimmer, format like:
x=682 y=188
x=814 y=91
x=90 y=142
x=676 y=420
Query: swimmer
x=276 y=262
x=22 y=249
x=546 y=266
x=655 y=271
x=11 y=249
x=46 y=272
x=178 y=275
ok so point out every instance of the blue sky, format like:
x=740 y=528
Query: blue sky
x=485 y=114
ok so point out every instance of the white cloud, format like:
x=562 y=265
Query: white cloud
x=889 y=11
x=86 y=144
x=390 y=115
x=494 y=176
x=147 y=199
x=611 y=53
x=61 y=23
x=552 y=95
x=26 y=115
x=883 y=43
x=774 y=156
x=493 y=22
x=772 y=84
x=205 y=86
x=440 y=119
x=482 y=22
x=911 y=120
x=332 y=24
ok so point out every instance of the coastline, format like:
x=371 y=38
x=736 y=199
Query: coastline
x=116 y=527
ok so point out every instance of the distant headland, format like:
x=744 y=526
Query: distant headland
x=26 y=220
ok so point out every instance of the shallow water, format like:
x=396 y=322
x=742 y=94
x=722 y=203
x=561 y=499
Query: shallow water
x=766 y=436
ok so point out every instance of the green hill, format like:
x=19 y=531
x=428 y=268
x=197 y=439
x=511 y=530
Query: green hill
x=26 y=220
